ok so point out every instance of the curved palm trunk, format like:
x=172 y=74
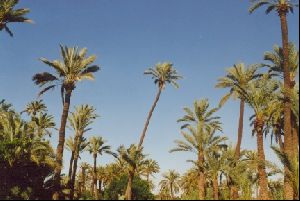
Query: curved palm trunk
x=262 y=176
x=149 y=117
x=216 y=188
x=95 y=177
x=128 y=194
x=60 y=146
x=201 y=181
x=288 y=143
x=240 y=130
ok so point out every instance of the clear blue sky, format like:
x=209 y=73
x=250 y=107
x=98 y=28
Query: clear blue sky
x=201 y=37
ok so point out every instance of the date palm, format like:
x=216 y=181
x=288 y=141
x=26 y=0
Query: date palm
x=10 y=15
x=151 y=167
x=242 y=76
x=35 y=107
x=261 y=97
x=95 y=147
x=283 y=7
x=199 y=142
x=163 y=74
x=80 y=120
x=132 y=158
x=74 y=68
x=171 y=182
x=201 y=123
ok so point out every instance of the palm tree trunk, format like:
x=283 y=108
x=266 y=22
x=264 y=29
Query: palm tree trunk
x=240 y=130
x=172 y=191
x=288 y=143
x=72 y=184
x=262 y=180
x=216 y=188
x=60 y=146
x=201 y=182
x=128 y=194
x=234 y=194
x=149 y=117
x=95 y=177
x=71 y=166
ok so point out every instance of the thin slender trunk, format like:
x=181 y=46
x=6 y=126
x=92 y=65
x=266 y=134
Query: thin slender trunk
x=263 y=179
x=95 y=177
x=128 y=194
x=60 y=146
x=75 y=163
x=240 y=130
x=72 y=184
x=216 y=188
x=71 y=166
x=288 y=143
x=149 y=117
x=201 y=182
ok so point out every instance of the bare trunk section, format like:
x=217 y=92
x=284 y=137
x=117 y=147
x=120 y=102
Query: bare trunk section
x=149 y=117
x=201 y=181
x=240 y=130
x=128 y=194
x=60 y=146
x=72 y=183
x=288 y=143
x=95 y=177
x=263 y=179
x=216 y=188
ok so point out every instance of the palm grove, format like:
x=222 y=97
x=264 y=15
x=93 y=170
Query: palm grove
x=32 y=169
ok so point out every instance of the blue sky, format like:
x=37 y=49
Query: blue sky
x=201 y=37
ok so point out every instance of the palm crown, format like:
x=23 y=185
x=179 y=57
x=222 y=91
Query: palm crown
x=9 y=15
x=278 y=5
x=35 y=107
x=74 y=67
x=201 y=114
x=97 y=146
x=238 y=75
x=164 y=73
x=276 y=60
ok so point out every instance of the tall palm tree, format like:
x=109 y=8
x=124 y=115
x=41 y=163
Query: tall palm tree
x=199 y=138
x=95 y=147
x=71 y=146
x=80 y=120
x=242 y=76
x=170 y=181
x=260 y=95
x=151 y=167
x=10 y=15
x=132 y=158
x=74 y=67
x=163 y=74
x=282 y=7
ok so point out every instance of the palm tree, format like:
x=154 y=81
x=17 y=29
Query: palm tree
x=170 y=181
x=242 y=76
x=80 y=120
x=71 y=146
x=199 y=138
x=35 y=107
x=82 y=184
x=283 y=7
x=132 y=158
x=151 y=167
x=9 y=15
x=74 y=67
x=261 y=97
x=95 y=147
x=163 y=74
